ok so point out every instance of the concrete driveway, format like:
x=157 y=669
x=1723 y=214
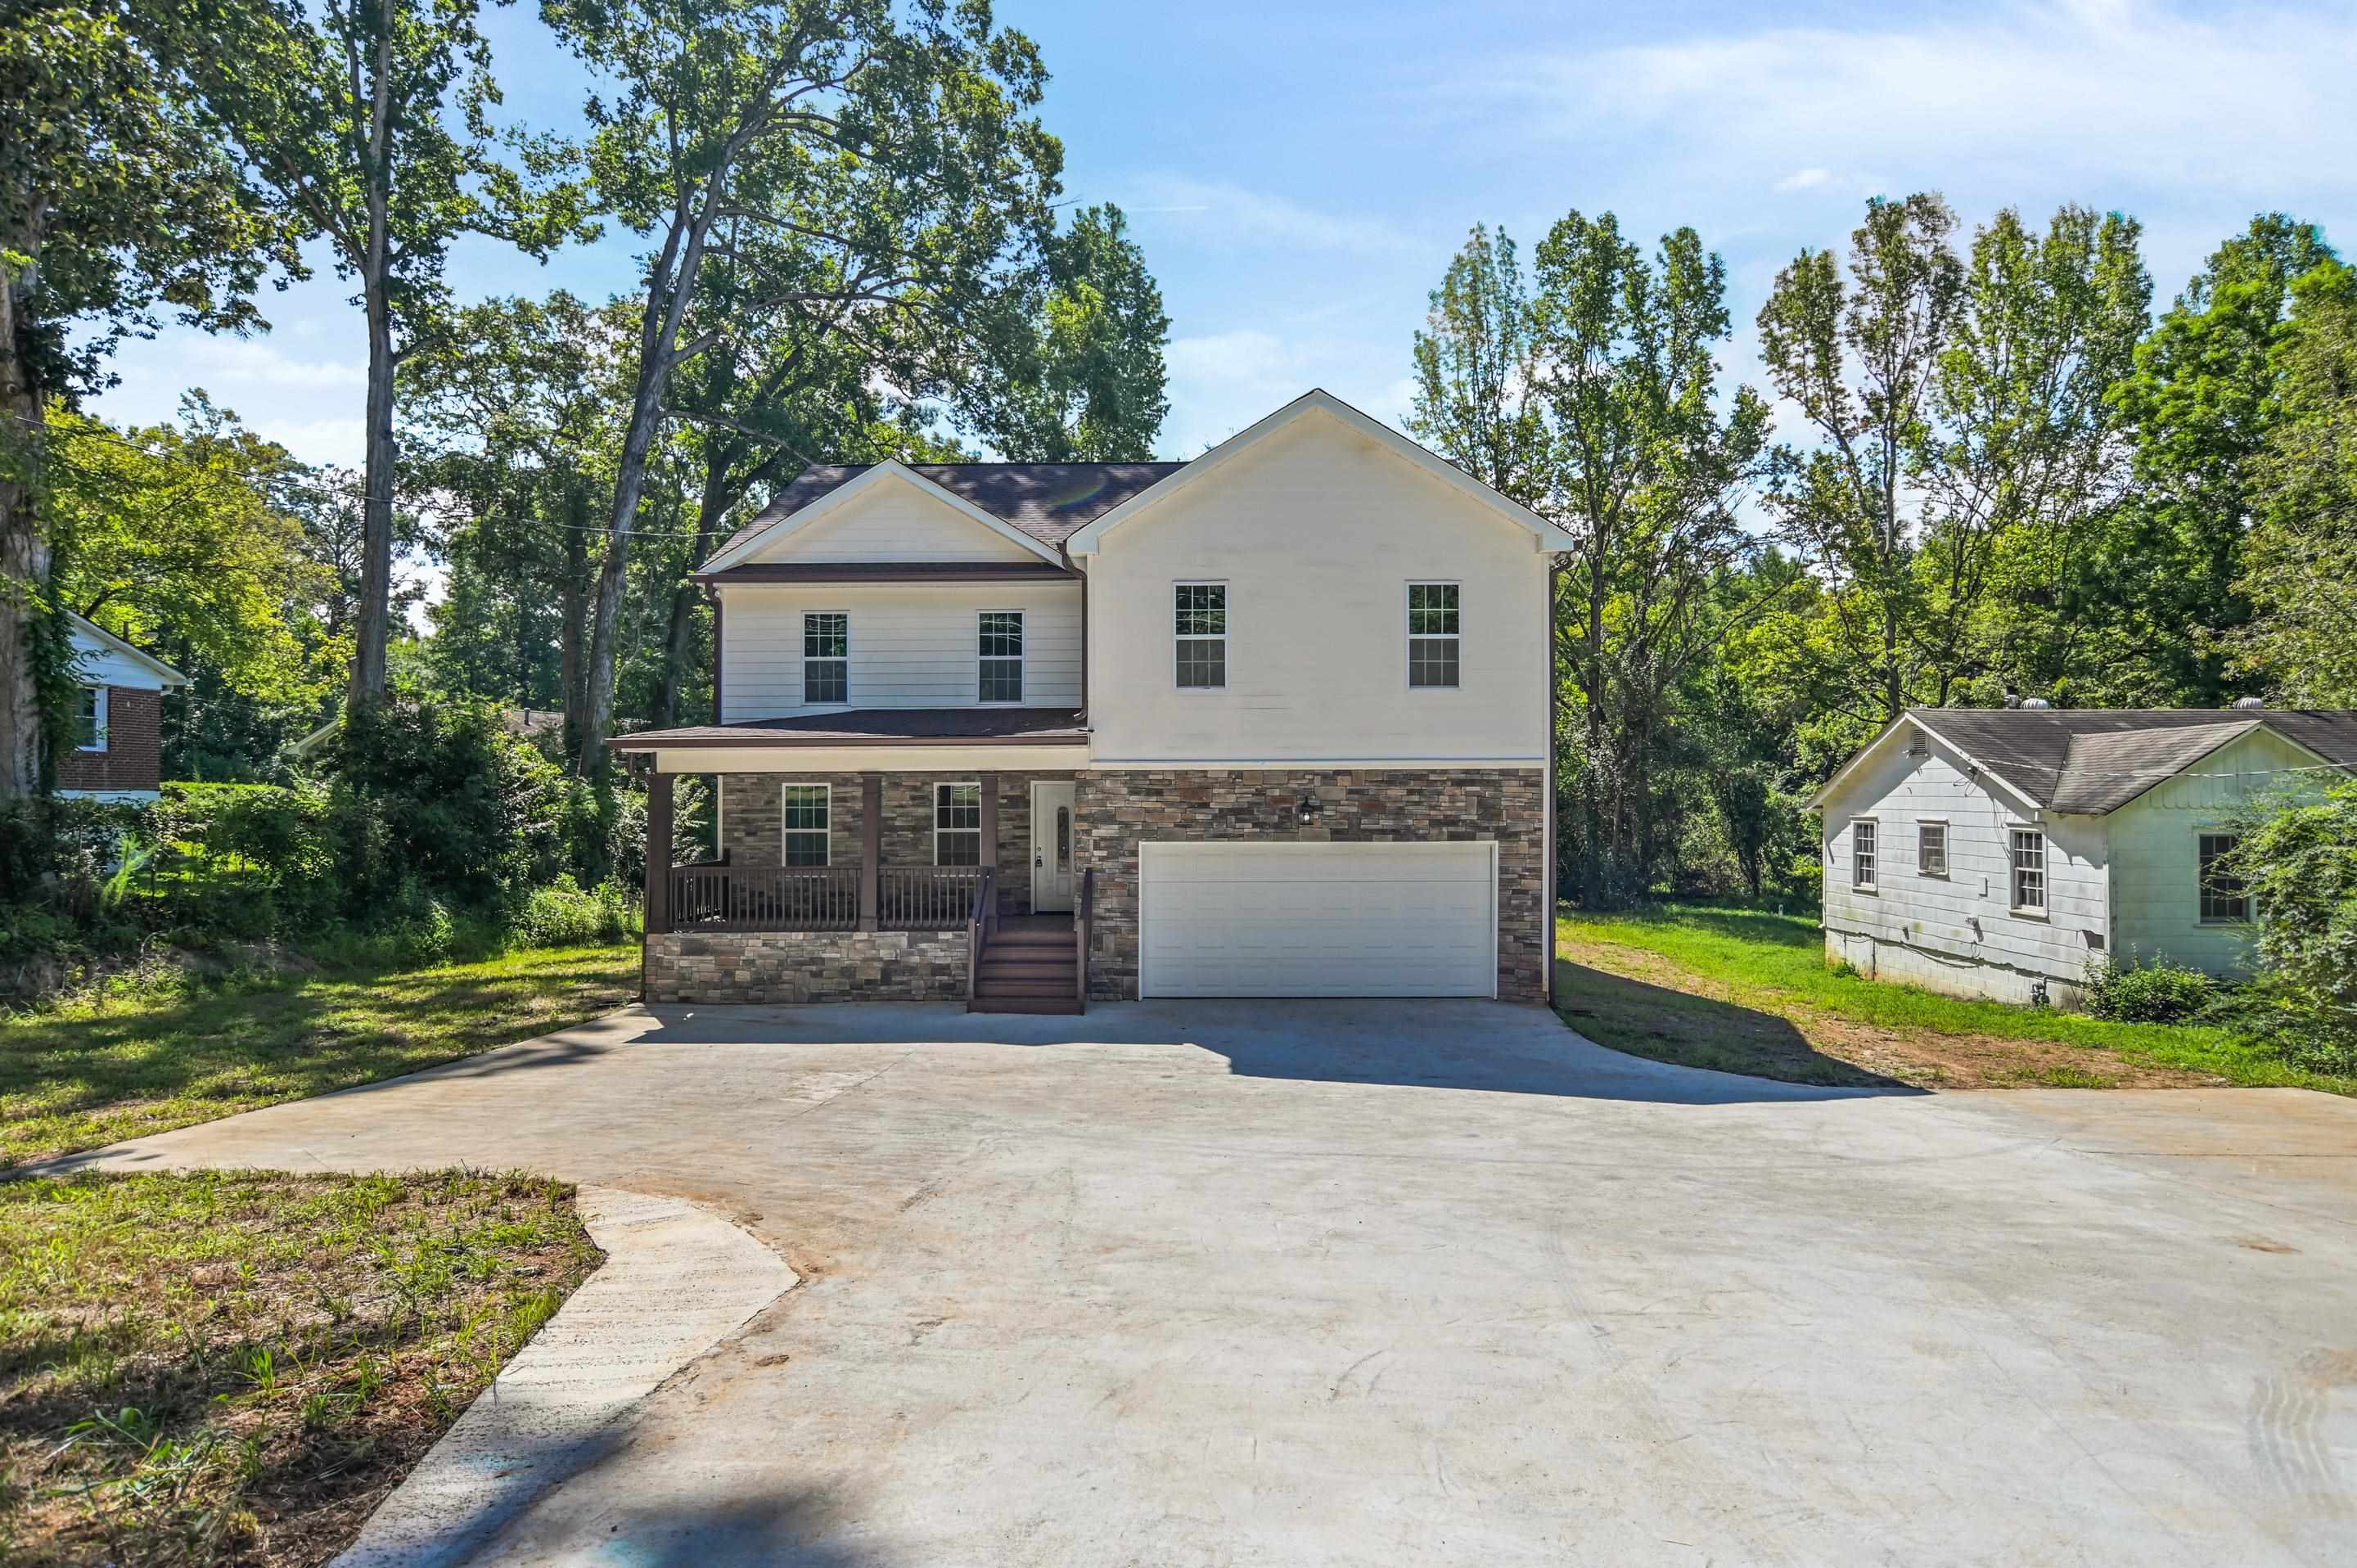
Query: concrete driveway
x=1298 y=1283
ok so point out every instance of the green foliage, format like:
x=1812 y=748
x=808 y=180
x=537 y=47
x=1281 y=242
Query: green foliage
x=2158 y=992
x=2300 y=865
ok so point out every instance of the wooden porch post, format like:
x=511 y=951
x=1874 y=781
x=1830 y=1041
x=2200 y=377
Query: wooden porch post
x=659 y=788
x=871 y=848
x=989 y=856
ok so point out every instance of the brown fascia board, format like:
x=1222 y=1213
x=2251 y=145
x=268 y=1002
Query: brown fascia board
x=772 y=738
x=889 y=571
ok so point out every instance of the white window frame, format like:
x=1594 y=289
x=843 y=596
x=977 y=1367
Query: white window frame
x=1227 y=609
x=826 y=793
x=2201 y=884
x=845 y=661
x=983 y=661
x=939 y=785
x=99 y=696
x=1456 y=638
x=2015 y=871
x=1929 y=824
x=1865 y=865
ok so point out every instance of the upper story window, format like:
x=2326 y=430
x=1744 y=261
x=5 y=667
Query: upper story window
x=2028 y=848
x=826 y=657
x=1432 y=634
x=808 y=840
x=2224 y=896
x=1932 y=849
x=1861 y=853
x=89 y=722
x=1201 y=630
x=1002 y=656
x=957 y=824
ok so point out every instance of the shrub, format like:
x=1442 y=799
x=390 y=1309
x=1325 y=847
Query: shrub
x=2161 y=992
x=2300 y=865
x=561 y=915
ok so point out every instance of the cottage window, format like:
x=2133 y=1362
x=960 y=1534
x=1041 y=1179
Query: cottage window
x=957 y=824
x=89 y=722
x=1002 y=656
x=2224 y=896
x=809 y=839
x=1932 y=849
x=1432 y=634
x=826 y=657
x=1861 y=850
x=1201 y=631
x=2029 y=870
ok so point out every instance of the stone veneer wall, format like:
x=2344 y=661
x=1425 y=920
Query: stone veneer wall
x=1117 y=808
x=750 y=830
x=806 y=966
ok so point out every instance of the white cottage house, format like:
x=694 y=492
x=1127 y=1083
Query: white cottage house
x=1997 y=851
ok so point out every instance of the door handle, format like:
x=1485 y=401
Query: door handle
x=1038 y=862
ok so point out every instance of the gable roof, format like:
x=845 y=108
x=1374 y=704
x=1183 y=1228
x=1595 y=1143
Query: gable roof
x=113 y=644
x=1046 y=503
x=2090 y=761
x=1317 y=400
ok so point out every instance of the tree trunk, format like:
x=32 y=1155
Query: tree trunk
x=1591 y=865
x=372 y=626
x=24 y=556
x=718 y=497
x=571 y=635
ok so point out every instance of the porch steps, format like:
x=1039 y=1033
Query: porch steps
x=1028 y=970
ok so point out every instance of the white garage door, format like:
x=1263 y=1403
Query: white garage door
x=1318 y=920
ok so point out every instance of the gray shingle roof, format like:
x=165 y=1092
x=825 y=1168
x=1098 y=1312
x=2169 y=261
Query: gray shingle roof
x=2092 y=761
x=1050 y=501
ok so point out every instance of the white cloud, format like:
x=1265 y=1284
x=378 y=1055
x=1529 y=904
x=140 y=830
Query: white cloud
x=246 y=363
x=2253 y=100
x=1222 y=381
x=1229 y=214
x=1805 y=179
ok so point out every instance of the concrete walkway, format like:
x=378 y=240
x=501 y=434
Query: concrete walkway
x=1301 y=1283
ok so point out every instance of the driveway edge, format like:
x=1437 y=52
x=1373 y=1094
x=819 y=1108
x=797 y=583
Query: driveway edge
x=677 y=1281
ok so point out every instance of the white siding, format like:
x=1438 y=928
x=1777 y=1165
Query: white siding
x=1317 y=532
x=893 y=521
x=1959 y=933
x=912 y=645
x=96 y=664
x=2156 y=877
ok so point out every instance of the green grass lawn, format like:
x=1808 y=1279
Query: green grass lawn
x=92 y=1071
x=1748 y=991
x=235 y=1368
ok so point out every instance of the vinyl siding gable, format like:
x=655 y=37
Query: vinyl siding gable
x=912 y=645
x=892 y=520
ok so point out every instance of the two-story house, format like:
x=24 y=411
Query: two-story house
x=1272 y=722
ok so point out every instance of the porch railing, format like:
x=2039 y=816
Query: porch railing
x=926 y=897
x=717 y=897
x=765 y=898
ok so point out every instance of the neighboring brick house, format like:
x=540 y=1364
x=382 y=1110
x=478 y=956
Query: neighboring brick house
x=118 y=747
x=1272 y=722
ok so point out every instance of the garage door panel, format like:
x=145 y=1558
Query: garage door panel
x=1327 y=919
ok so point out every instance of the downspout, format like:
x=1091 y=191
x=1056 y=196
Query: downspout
x=1084 y=643
x=1547 y=777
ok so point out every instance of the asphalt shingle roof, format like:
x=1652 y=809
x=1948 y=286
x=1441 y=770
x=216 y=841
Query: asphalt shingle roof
x=2092 y=761
x=1050 y=501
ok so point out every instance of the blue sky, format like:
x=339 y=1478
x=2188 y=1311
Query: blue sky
x=1299 y=174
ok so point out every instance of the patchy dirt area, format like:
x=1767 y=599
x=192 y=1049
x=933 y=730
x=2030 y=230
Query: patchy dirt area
x=1642 y=1003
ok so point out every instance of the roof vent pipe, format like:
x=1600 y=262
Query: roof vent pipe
x=2250 y=704
x=2036 y=702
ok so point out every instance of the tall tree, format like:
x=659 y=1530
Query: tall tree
x=1477 y=381
x=1859 y=358
x=875 y=166
x=369 y=121
x=116 y=206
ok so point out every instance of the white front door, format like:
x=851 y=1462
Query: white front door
x=1052 y=845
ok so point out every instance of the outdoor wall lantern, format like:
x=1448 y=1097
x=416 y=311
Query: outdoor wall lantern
x=1308 y=808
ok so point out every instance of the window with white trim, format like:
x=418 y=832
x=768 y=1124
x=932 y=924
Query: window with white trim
x=2029 y=853
x=1432 y=634
x=957 y=824
x=1002 y=656
x=2224 y=896
x=1200 y=627
x=90 y=722
x=1861 y=854
x=1932 y=849
x=809 y=838
x=826 y=657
